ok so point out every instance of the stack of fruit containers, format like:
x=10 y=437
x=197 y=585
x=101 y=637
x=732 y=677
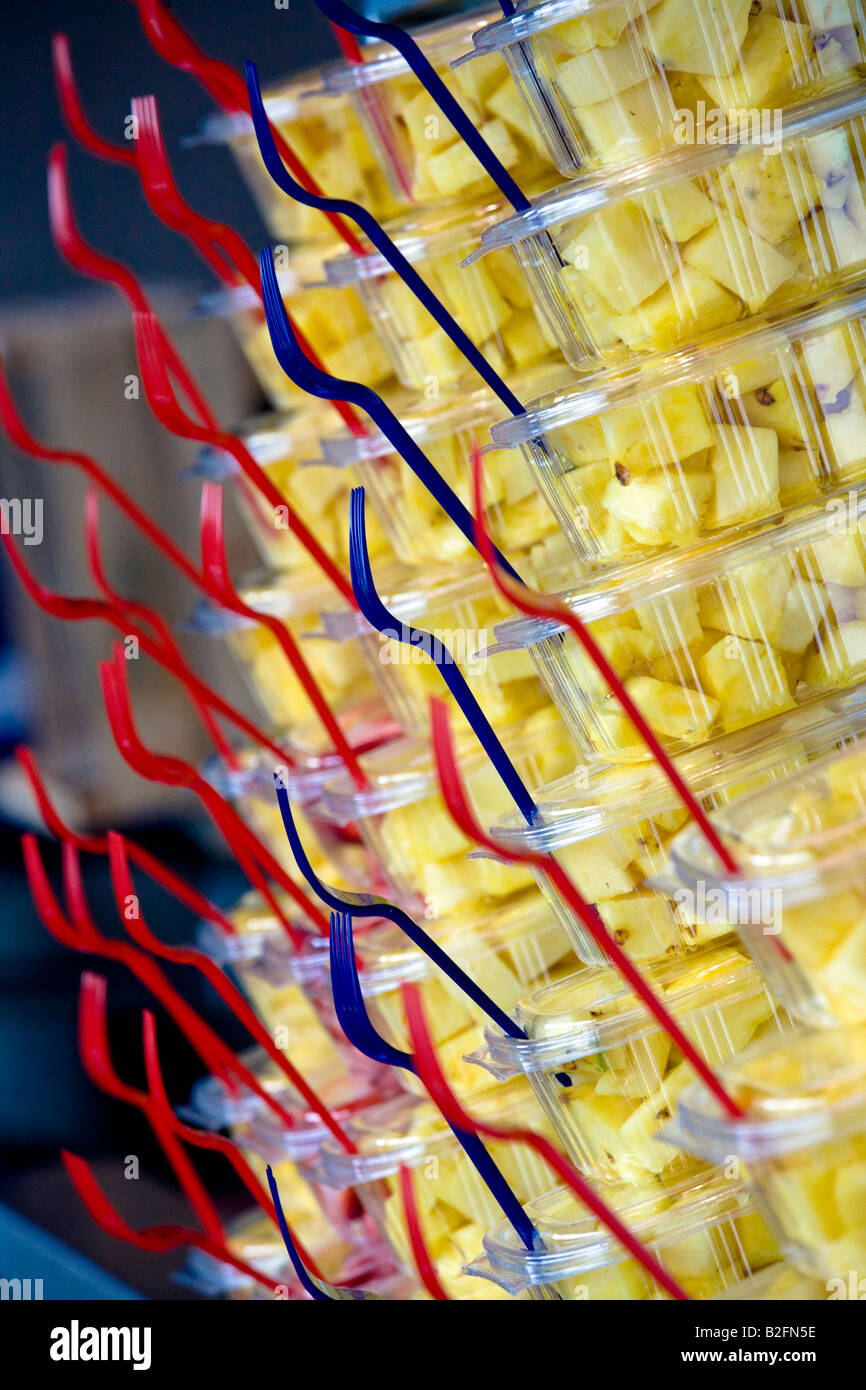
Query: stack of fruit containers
x=685 y=317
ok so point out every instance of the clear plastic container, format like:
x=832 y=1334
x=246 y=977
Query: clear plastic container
x=407 y=827
x=607 y=82
x=491 y=302
x=714 y=639
x=333 y=320
x=612 y=829
x=338 y=668
x=323 y=131
x=448 y=430
x=460 y=606
x=798 y=845
x=625 y=1074
x=660 y=253
x=801 y=1144
x=698 y=442
x=454 y=1205
x=418 y=146
x=518 y=947
x=777 y=1283
x=704 y=1231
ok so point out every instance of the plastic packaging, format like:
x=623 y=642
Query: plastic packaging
x=693 y=443
x=417 y=145
x=448 y=429
x=626 y=1075
x=802 y=1145
x=705 y=1232
x=333 y=320
x=660 y=253
x=610 y=82
x=323 y=132
x=460 y=606
x=612 y=829
x=491 y=302
x=715 y=639
x=408 y=829
x=798 y=844
x=454 y=1206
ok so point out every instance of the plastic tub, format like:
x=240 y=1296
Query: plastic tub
x=491 y=302
x=714 y=639
x=333 y=321
x=460 y=606
x=704 y=1231
x=405 y=824
x=448 y=430
x=323 y=132
x=454 y=1205
x=798 y=845
x=612 y=828
x=626 y=1075
x=802 y=1145
x=661 y=253
x=606 y=82
x=418 y=146
x=740 y=429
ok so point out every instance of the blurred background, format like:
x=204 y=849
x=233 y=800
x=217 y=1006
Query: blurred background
x=67 y=349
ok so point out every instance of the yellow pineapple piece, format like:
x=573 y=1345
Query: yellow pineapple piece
x=642 y=924
x=621 y=256
x=692 y=299
x=599 y=867
x=774 y=63
x=749 y=603
x=745 y=469
x=739 y=260
x=705 y=39
x=645 y=434
x=680 y=212
x=660 y=510
x=600 y=73
x=748 y=679
x=773 y=407
x=632 y=123
x=602 y=29
x=770 y=194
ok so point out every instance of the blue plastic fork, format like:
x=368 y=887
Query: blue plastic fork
x=298 y=367
x=377 y=614
x=379 y=238
x=355 y=1022
x=316 y=1288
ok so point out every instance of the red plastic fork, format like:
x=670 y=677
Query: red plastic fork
x=73 y=111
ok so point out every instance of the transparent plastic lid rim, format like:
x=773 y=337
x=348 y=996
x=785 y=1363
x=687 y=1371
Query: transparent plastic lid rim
x=528 y=20
x=616 y=386
x=707 y=1133
x=440 y=43
x=425 y=237
x=603 y=188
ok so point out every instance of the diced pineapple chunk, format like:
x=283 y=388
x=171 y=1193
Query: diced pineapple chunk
x=660 y=510
x=773 y=64
x=745 y=468
x=646 y=434
x=674 y=711
x=739 y=260
x=692 y=299
x=600 y=73
x=621 y=255
x=748 y=679
x=703 y=38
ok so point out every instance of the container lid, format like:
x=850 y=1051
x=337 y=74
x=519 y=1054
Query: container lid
x=407 y=1129
x=269 y=592
x=282 y=103
x=532 y=19
x=213 y=1106
x=572 y=1241
x=801 y=834
x=440 y=42
x=604 y=188
x=303 y=271
x=346 y=1094
x=620 y=588
x=593 y=800
x=801 y=1091
x=409 y=595
x=593 y=1010
x=615 y=386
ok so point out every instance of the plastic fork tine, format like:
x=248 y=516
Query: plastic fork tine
x=378 y=238
x=73 y=111
x=372 y=905
x=431 y=1073
x=318 y=383
x=313 y=1286
x=156 y=1239
x=454 y=794
x=378 y=615
x=355 y=1022
x=339 y=13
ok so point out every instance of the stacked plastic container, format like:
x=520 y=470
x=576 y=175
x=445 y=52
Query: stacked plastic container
x=683 y=318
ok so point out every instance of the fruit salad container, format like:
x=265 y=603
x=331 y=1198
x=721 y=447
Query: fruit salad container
x=454 y=1206
x=322 y=130
x=406 y=826
x=801 y=1145
x=663 y=252
x=704 y=1230
x=338 y=669
x=515 y=948
x=460 y=606
x=419 y=148
x=718 y=638
x=698 y=442
x=448 y=430
x=333 y=321
x=612 y=828
x=776 y=1283
x=491 y=302
x=798 y=845
x=625 y=1075
x=609 y=82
